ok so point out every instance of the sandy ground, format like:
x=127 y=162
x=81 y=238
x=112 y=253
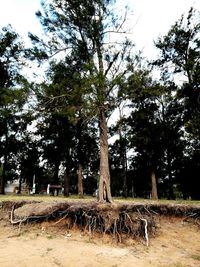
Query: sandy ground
x=45 y=245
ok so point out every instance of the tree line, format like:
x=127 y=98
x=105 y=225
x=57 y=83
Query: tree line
x=57 y=130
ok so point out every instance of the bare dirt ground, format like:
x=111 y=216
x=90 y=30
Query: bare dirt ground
x=46 y=244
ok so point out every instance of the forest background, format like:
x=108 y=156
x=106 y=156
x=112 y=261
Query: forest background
x=55 y=124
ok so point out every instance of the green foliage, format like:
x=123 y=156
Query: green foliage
x=66 y=136
x=12 y=100
x=78 y=31
x=180 y=52
x=11 y=60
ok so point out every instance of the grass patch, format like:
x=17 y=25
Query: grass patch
x=49 y=249
x=47 y=198
x=196 y=257
x=178 y=264
x=49 y=237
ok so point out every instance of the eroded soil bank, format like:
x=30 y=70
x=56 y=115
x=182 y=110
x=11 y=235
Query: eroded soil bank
x=175 y=243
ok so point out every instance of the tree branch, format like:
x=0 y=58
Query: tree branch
x=111 y=63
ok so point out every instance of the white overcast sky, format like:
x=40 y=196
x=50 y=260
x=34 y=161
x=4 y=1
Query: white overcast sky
x=151 y=18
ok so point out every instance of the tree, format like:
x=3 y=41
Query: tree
x=67 y=138
x=28 y=161
x=86 y=151
x=80 y=30
x=12 y=99
x=145 y=129
x=172 y=138
x=179 y=63
x=118 y=151
x=189 y=184
x=179 y=60
x=56 y=136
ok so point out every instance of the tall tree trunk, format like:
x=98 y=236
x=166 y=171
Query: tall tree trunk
x=20 y=185
x=3 y=178
x=125 y=190
x=124 y=170
x=170 y=181
x=132 y=189
x=154 y=193
x=56 y=171
x=123 y=158
x=66 y=183
x=80 y=180
x=123 y=162
x=80 y=156
x=104 y=182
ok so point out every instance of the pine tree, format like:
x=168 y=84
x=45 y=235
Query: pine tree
x=80 y=31
x=179 y=60
x=12 y=98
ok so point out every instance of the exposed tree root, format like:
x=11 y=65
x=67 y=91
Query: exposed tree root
x=118 y=220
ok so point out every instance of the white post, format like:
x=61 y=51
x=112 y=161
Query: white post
x=48 y=189
x=33 y=188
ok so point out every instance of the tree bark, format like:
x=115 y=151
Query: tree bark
x=80 y=180
x=170 y=181
x=56 y=171
x=123 y=158
x=3 y=178
x=66 y=183
x=20 y=185
x=123 y=161
x=80 y=156
x=125 y=190
x=104 y=182
x=2 y=185
x=154 y=193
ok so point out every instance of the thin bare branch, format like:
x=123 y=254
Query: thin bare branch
x=111 y=63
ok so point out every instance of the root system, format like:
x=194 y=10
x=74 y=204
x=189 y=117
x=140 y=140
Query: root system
x=119 y=220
